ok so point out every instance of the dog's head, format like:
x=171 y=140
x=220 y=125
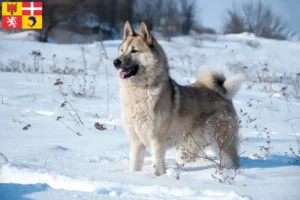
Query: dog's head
x=139 y=55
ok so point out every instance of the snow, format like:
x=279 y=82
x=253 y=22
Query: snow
x=48 y=161
x=25 y=35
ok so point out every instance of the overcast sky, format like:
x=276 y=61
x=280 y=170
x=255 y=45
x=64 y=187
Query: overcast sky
x=213 y=11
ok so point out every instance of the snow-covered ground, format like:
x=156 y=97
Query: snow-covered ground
x=49 y=161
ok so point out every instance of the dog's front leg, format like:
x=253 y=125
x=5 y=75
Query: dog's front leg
x=158 y=149
x=137 y=154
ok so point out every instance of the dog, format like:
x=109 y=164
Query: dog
x=161 y=114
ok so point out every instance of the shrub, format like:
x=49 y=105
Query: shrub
x=257 y=18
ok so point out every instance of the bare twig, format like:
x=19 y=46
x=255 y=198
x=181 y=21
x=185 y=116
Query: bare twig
x=77 y=133
x=205 y=156
x=77 y=119
x=296 y=155
x=107 y=91
x=103 y=48
x=266 y=148
x=85 y=68
x=108 y=96
x=26 y=127
x=66 y=100
x=293 y=118
x=63 y=105
x=3 y=157
x=24 y=115
x=18 y=121
x=45 y=164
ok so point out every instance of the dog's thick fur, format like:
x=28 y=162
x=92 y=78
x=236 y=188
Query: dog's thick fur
x=158 y=113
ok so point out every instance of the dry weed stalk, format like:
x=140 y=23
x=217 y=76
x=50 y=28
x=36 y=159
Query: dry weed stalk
x=75 y=117
x=4 y=157
x=295 y=154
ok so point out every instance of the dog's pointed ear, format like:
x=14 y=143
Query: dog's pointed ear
x=128 y=30
x=145 y=34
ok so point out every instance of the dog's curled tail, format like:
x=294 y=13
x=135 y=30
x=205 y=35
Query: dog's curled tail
x=216 y=81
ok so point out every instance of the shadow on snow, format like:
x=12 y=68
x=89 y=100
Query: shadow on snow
x=12 y=191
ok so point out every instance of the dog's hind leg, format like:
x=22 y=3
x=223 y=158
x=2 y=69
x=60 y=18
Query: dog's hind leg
x=137 y=154
x=227 y=154
x=225 y=136
x=231 y=153
x=158 y=150
x=230 y=144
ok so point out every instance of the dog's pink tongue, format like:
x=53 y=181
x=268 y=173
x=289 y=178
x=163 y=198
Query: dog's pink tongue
x=122 y=74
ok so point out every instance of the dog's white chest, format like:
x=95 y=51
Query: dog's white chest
x=138 y=112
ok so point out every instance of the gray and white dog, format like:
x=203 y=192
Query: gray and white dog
x=159 y=113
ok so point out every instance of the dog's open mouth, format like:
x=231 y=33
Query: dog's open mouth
x=126 y=73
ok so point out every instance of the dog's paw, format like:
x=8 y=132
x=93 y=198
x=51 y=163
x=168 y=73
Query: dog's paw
x=159 y=170
x=180 y=164
x=157 y=173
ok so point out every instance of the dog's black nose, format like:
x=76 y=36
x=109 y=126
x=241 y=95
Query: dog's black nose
x=117 y=63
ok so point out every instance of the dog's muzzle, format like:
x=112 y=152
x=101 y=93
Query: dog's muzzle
x=125 y=71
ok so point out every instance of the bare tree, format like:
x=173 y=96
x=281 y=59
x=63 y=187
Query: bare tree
x=49 y=19
x=53 y=14
x=129 y=6
x=149 y=11
x=112 y=5
x=235 y=23
x=257 y=18
x=188 y=11
x=163 y=15
x=170 y=19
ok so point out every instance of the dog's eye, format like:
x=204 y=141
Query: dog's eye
x=133 y=51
